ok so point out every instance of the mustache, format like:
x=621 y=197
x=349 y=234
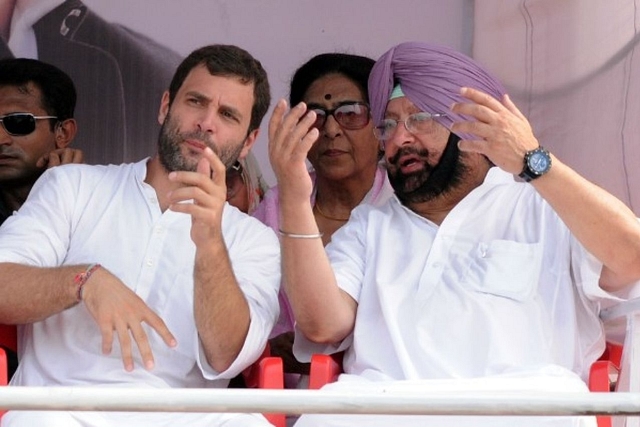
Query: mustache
x=9 y=152
x=201 y=136
x=424 y=153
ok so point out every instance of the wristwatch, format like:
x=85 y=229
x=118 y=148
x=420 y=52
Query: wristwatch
x=536 y=163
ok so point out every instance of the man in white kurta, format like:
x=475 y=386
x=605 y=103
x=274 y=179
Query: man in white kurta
x=516 y=300
x=465 y=280
x=109 y=213
x=187 y=285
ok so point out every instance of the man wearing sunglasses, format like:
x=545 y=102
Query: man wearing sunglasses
x=37 y=102
x=487 y=270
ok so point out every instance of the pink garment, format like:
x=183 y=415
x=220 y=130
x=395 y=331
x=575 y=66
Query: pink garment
x=268 y=212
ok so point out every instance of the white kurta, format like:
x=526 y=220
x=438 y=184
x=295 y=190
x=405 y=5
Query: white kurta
x=501 y=287
x=81 y=214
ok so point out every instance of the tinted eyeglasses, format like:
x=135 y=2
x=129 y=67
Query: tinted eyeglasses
x=21 y=124
x=352 y=116
x=418 y=123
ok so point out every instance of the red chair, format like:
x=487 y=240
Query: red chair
x=8 y=339
x=267 y=372
x=602 y=376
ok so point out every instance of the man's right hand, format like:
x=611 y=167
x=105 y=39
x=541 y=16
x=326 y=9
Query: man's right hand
x=117 y=308
x=60 y=156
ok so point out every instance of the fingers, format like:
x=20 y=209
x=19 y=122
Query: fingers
x=506 y=101
x=125 y=346
x=161 y=329
x=61 y=156
x=276 y=119
x=292 y=132
x=215 y=165
x=144 y=348
x=481 y=98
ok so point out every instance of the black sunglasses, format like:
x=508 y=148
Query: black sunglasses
x=21 y=124
x=351 y=116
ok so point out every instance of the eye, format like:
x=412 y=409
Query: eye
x=388 y=124
x=421 y=117
x=229 y=115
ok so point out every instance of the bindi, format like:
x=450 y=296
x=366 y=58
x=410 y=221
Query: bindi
x=327 y=96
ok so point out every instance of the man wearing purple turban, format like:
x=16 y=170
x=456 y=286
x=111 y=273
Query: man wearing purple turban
x=487 y=269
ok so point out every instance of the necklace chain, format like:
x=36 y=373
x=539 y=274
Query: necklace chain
x=333 y=218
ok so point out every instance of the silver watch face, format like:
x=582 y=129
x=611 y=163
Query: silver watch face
x=538 y=162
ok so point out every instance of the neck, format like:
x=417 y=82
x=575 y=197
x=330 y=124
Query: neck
x=158 y=178
x=6 y=13
x=335 y=199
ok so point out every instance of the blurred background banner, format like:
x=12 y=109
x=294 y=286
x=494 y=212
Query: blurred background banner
x=569 y=66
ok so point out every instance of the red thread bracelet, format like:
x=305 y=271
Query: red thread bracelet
x=81 y=279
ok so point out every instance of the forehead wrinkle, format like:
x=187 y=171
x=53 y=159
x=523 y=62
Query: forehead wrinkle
x=209 y=100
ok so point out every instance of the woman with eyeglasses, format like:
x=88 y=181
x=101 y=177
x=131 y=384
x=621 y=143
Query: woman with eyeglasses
x=345 y=159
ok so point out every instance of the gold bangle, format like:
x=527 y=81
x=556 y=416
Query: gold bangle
x=300 y=236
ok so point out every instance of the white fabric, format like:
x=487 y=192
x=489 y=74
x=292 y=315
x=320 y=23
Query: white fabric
x=501 y=287
x=22 y=39
x=551 y=378
x=80 y=214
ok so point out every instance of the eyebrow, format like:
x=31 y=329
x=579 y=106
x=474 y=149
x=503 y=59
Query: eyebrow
x=197 y=94
x=312 y=105
x=201 y=97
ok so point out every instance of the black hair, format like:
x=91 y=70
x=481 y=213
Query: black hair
x=228 y=60
x=355 y=67
x=58 y=91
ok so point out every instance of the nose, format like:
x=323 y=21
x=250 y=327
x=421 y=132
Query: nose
x=5 y=138
x=207 y=121
x=400 y=135
x=331 y=129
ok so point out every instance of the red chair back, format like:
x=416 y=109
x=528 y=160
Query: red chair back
x=9 y=337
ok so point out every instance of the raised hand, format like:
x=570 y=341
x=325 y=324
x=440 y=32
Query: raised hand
x=290 y=139
x=504 y=133
x=207 y=190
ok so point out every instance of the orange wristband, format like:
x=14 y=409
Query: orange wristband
x=81 y=279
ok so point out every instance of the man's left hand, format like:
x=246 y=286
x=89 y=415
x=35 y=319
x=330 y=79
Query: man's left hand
x=504 y=133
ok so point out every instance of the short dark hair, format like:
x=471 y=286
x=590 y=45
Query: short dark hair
x=355 y=67
x=228 y=61
x=57 y=88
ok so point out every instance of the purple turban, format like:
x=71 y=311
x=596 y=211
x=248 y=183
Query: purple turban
x=431 y=77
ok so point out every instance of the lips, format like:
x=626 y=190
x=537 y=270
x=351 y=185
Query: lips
x=333 y=153
x=7 y=157
x=195 y=145
x=410 y=163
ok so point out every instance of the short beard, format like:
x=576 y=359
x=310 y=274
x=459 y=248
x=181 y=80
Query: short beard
x=432 y=181
x=169 y=147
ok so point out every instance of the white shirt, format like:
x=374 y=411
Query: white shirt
x=79 y=214
x=501 y=286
